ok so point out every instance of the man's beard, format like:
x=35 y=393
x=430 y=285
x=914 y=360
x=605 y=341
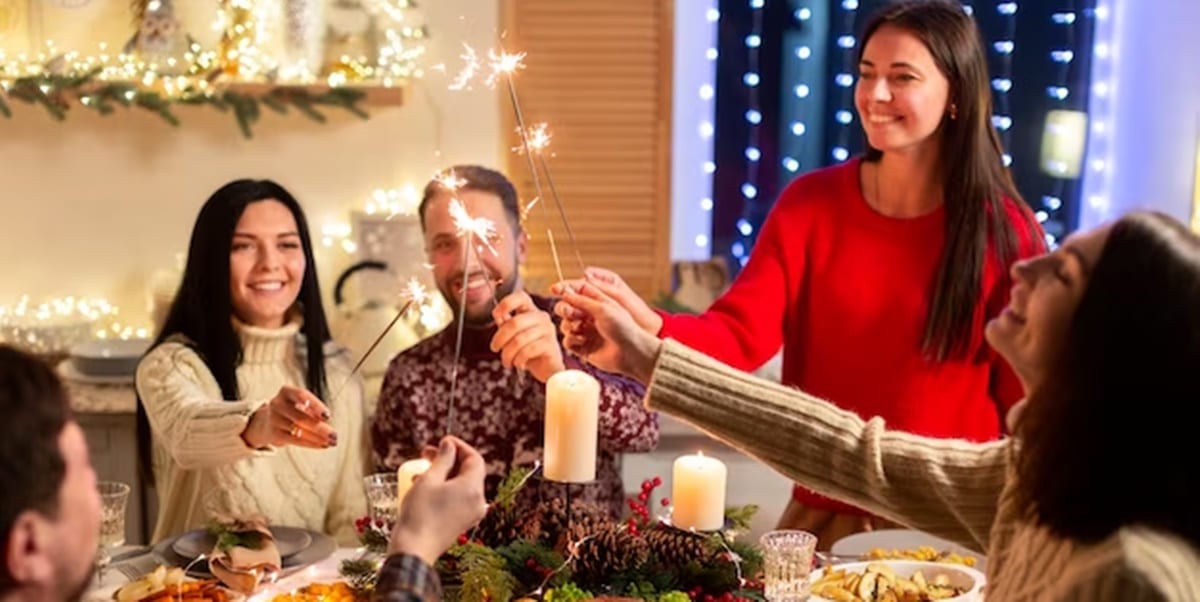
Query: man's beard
x=484 y=319
x=75 y=593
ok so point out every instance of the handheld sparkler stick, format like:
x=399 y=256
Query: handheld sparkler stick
x=416 y=294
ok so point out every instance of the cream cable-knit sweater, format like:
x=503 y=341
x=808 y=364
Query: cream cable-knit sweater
x=957 y=490
x=202 y=466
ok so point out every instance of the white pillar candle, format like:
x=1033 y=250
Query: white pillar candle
x=405 y=475
x=698 y=493
x=572 y=423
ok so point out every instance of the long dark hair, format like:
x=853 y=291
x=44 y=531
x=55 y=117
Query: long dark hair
x=976 y=181
x=1105 y=441
x=203 y=306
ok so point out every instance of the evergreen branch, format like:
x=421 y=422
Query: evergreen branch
x=741 y=516
x=484 y=574
x=305 y=106
x=228 y=539
x=506 y=493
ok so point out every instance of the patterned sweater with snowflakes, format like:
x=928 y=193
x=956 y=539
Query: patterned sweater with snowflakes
x=501 y=413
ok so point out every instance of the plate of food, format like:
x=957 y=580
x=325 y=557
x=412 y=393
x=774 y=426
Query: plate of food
x=322 y=547
x=897 y=580
x=905 y=544
x=289 y=540
x=165 y=584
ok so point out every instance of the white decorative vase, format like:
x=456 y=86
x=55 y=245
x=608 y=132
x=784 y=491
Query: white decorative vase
x=303 y=39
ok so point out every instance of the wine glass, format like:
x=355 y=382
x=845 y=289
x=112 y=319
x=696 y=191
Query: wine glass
x=113 y=498
x=381 y=489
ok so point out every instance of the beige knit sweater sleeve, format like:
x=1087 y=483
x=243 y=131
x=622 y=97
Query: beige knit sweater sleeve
x=948 y=488
x=184 y=407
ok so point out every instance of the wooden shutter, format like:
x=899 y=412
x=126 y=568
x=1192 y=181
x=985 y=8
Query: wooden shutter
x=599 y=73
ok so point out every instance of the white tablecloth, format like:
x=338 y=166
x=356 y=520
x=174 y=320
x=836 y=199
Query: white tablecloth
x=324 y=571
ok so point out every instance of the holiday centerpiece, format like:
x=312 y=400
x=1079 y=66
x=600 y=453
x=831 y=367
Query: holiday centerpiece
x=556 y=552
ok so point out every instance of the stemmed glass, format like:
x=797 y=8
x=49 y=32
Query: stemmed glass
x=113 y=498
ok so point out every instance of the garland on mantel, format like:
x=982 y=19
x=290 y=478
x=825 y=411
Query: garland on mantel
x=56 y=93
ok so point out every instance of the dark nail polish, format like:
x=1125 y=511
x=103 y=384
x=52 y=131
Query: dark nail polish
x=325 y=414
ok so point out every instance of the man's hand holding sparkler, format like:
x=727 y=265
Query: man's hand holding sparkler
x=527 y=338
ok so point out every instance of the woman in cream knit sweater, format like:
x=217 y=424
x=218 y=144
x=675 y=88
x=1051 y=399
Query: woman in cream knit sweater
x=1094 y=498
x=231 y=391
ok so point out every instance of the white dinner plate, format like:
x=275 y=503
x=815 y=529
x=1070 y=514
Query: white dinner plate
x=289 y=540
x=859 y=544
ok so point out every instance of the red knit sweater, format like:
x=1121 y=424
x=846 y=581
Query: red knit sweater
x=844 y=290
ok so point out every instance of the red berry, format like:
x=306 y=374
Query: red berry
x=708 y=598
x=665 y=502
x=462 y=539
x=643 y=497
x=647 y=484
x=657 y=481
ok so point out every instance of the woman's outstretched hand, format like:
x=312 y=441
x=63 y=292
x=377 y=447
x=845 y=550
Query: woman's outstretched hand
x=601 y=330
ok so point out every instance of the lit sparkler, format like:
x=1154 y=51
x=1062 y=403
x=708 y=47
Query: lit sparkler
x=478 y=228
x=414 y=294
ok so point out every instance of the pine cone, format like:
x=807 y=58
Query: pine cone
x=611 y=549
x=547 y=522
x=500 y=527
x=673 y=547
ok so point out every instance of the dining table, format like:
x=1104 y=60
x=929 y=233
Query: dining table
x=134 y=561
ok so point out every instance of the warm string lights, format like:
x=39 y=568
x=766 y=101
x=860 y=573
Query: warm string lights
x=843 y=81
x=802 y=54
x=56 y=78
x=1096 y=207
x=1002 y=83
x=754 y=117
x=55 y=325
x=692 y=164
x=1062 y=58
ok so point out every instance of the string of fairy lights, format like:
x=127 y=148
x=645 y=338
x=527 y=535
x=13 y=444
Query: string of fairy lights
x=754 y=118
x=1062 y=58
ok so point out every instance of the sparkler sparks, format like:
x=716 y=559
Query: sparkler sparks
x=449 y=181
x=500 y=63
x=537 y=138
x=503 y=63
x=415 y=291
x=462 y=81
x=480 y=228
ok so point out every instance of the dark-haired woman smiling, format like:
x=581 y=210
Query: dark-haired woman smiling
x=1093 y=498
x=231 y=392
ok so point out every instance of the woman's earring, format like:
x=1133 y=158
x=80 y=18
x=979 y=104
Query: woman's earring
x=953 y=111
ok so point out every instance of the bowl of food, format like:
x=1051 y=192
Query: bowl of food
x=112 y=357
x=897 y=581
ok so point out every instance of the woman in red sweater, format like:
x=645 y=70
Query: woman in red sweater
x=876 y=276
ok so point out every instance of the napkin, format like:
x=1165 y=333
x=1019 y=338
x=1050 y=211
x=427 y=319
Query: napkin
x=245 y=555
